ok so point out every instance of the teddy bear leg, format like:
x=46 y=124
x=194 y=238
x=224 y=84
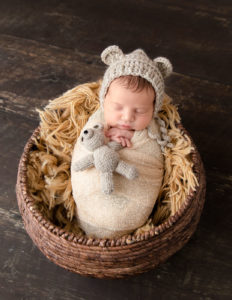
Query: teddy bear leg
x=126 y=170
x=107 y=183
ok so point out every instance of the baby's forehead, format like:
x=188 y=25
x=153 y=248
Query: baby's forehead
x=135 y=84
x=118 y=91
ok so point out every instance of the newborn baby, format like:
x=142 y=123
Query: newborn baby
x=128 y=106
x=131 y=96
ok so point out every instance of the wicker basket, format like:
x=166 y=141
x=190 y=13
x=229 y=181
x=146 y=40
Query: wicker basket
x=112 y=258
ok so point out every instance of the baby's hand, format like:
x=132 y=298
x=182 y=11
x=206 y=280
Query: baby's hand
x=121 y=140
x=120 y=136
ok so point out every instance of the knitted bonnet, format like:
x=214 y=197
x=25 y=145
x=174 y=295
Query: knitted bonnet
x=136 y=63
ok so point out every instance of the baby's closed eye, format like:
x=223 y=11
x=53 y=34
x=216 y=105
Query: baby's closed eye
x=141 y=110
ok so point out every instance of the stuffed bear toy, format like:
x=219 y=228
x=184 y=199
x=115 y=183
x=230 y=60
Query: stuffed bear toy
x=103 y=157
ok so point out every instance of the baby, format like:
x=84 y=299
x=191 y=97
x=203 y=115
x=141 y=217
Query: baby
x=132 y=93
x=131 y=96
x=128 y=106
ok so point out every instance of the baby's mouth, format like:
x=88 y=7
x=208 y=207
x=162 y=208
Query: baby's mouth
x=125 y=126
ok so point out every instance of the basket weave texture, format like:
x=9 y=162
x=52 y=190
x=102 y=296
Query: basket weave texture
x=112 y=258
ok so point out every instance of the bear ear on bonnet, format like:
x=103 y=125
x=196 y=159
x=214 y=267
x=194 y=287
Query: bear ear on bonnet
x=111 y=54
x=164 y=65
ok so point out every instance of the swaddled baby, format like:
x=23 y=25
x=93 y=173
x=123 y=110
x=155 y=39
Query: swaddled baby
x=131 y=96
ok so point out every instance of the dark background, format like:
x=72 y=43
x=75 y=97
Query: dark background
x=48 y=47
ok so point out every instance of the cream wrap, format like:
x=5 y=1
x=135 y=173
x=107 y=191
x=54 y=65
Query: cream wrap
x=132 y=201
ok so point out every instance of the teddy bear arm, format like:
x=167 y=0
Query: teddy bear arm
x=128 y=171
x=84 y=163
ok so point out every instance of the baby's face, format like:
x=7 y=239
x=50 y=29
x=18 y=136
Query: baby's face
x=126 y=109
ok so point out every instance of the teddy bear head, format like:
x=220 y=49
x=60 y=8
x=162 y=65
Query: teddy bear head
x=92 y=138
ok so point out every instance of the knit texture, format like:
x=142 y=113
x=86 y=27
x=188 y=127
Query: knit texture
x=136 y=63
x=103 y=157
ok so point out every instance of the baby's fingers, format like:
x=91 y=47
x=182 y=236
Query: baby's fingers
x=123 y=142
x=128 y=143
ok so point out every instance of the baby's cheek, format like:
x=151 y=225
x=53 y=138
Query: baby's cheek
x=107 y=118
x=143 y=122
x=111 y=118
x=146 y=120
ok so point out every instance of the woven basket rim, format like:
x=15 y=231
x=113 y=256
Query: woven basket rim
x=84 y=241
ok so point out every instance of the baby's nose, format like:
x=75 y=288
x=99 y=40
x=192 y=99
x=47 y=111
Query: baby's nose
x=128 y=116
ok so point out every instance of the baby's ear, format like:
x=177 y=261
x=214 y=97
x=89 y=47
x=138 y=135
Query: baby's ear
x=164 y=65
x=111 y=54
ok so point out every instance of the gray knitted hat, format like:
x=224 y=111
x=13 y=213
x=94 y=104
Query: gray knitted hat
x=136 y=63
